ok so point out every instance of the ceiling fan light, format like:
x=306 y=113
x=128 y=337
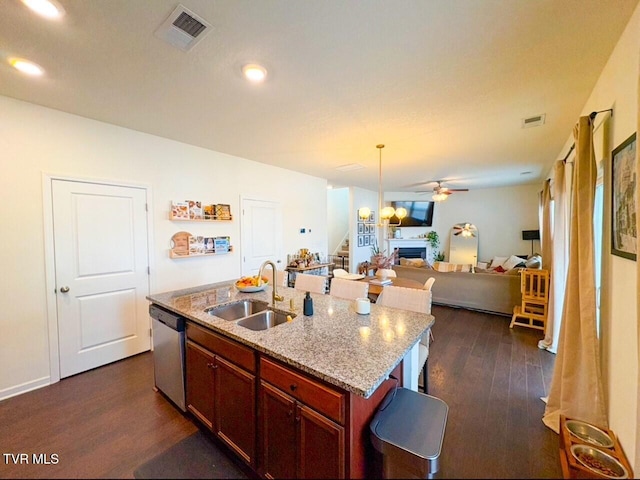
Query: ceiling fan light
x=439 y=197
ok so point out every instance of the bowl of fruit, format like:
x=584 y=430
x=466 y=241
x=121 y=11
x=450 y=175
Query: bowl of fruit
x=252 y=284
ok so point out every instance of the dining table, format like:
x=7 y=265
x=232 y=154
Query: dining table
x=375 y=290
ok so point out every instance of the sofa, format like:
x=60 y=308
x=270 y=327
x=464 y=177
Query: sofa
x=491 y=292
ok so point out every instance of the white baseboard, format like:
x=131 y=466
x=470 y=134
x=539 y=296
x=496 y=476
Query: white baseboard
x=24 y=387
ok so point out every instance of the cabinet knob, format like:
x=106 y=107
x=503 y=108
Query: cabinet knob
x=293 y=387
x=290 y=413
x=210 y=365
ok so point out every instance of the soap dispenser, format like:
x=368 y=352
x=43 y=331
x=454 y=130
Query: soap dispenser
x=308 y=305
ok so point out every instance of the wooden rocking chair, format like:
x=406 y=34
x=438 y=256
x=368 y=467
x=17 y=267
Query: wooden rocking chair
x=532 y=312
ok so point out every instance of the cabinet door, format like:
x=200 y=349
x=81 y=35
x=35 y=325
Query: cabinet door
x=320 y=445
x=200 y=384
x=278 y=433
x=235 y=413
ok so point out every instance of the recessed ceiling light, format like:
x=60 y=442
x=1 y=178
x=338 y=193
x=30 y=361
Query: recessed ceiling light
x=254 y=73
x=25 y=66
x=47 y=8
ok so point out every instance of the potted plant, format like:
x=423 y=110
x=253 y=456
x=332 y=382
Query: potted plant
x=433 y=239
x=379 y=259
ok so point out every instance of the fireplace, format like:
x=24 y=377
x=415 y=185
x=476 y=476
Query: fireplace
x=409 y=247
x=412 y=252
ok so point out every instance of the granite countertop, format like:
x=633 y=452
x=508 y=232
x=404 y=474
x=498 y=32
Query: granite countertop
x=354 y=352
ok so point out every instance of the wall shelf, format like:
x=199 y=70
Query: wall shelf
x=208 y=254
x=179 y=219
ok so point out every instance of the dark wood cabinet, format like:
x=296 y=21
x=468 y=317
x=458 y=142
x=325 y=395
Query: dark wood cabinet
x=283 y=422
x=297 y=441
x=200 y=383
x=220 y=393
x=320 y=445
x=278 y=433
x=235 y=396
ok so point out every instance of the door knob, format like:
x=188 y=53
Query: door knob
x=64 y=289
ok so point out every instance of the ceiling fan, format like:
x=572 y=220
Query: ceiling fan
x=441 y=193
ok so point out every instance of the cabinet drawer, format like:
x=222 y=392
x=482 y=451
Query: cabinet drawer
x=310 y=392
x=242 y=356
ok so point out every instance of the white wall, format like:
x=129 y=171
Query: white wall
x=34 y=140
x=359 y=198
x=617 y=88
x=500 y=214
x=337 y=217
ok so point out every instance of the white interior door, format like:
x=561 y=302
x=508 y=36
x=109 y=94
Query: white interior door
x=261 y=234
x=101 y=270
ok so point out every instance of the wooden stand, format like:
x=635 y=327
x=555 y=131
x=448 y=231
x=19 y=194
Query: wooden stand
x=571 y=468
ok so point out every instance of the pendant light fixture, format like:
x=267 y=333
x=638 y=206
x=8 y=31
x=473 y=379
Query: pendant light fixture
x=387 y=212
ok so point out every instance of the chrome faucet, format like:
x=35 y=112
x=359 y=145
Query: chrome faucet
x=274 y=294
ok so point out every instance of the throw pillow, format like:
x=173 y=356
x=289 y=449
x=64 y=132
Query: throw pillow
x=512 y=262
x=497 y=261
x=499 y=269
x=534 y=262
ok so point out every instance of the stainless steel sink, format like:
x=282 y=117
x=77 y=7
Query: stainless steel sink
x=234 y=311
x=265 y=319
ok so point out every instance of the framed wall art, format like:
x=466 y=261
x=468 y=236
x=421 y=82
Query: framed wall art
x=360 y=228
x=361 y=240
x=623 y=199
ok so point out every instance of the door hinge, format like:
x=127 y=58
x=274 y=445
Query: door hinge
x=150 y=332
x=146 y=207
x=148 y=270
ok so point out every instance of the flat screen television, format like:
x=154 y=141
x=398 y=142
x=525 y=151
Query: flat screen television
x=419 y=213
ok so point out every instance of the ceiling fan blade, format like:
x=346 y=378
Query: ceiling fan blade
x=458 y=189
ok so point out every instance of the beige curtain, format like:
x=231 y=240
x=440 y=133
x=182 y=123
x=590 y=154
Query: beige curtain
x=559 y=261
x=576 y=386
x=546 y=239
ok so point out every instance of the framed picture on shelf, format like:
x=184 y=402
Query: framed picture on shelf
x=361 y=228
x=366 y=240
x=624 y=176
x=361 y=240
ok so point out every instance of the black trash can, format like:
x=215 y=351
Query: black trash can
x=408 y=430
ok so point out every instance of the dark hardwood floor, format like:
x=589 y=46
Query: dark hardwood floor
x=107 y=422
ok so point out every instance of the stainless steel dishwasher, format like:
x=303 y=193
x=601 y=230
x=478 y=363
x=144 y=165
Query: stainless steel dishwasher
x=169 y=354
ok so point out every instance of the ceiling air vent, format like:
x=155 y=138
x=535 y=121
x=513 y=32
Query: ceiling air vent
x=183 y=29
x=533 y=121
x=350 y=167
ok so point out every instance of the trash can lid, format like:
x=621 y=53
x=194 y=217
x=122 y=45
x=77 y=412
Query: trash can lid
x=413 y=422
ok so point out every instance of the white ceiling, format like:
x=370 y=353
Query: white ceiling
x=444 y=84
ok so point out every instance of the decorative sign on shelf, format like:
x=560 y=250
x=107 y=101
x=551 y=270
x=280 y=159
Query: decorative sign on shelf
x=194 y=210
x=183 y=244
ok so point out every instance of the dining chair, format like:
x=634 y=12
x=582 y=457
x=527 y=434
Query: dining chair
x=310 y=283
x=281 y=276
x=427 y=286
x=348 y=289
x=413 y=300
x=339 y=272
x=429 y=283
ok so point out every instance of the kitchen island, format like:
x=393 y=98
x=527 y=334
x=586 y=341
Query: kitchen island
x=325 y=373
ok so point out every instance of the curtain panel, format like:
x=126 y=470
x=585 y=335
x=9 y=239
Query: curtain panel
x=576 y=387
